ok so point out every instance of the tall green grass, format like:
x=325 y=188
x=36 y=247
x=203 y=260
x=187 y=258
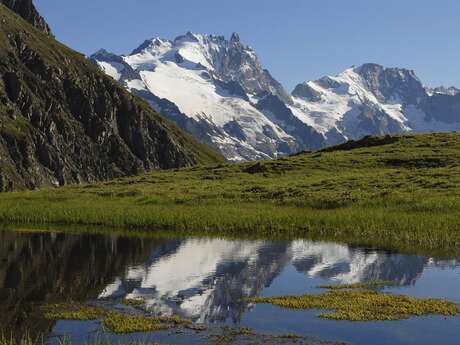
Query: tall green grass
x=403 y=196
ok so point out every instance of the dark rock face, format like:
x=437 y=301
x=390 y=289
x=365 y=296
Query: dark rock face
x=240 y=64
x=27 y=10
x=306 y=92
x=443 y=107
x=386 y=83
x=63 y=121
x=305 y=136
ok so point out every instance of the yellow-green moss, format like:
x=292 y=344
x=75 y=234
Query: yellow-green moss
x=365 y=305
x=124 y=323
x=113 y=321
x=72 y=311
x=135 y=302
x=121 y=323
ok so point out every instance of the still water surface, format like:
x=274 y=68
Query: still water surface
x=209 y=281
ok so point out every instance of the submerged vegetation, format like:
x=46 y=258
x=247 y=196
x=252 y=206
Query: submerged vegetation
x=399 y=194
x=365 y=305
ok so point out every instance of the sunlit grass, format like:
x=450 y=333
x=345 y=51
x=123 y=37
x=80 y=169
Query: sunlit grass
x=401 y=196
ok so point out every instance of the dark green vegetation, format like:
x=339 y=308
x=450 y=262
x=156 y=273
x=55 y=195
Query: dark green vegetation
x=402 y=195
x=224 y=336
x=365 y=305
x=29 y=340
x=64 y=121
x=244 y=335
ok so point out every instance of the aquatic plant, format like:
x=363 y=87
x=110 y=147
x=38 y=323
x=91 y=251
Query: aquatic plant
x=365 y=305
x=72 y=311
x=111 y=320
x=125 y=323
x=122 y=323
x=135 y=302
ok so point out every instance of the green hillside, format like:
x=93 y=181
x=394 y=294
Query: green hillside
x=389 y=192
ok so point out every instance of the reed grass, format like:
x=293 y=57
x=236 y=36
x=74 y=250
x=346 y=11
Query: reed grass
x=403 y=195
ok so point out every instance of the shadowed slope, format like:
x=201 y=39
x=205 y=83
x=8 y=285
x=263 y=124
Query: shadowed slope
x=63 y=121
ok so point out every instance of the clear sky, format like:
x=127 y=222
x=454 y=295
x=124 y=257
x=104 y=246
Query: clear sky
x=296 y=40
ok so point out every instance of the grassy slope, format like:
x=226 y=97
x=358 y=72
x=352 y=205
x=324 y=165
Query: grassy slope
x=75 y=64
x=402 y=195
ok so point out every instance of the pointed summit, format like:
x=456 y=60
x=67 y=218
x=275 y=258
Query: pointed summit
x=235 y=38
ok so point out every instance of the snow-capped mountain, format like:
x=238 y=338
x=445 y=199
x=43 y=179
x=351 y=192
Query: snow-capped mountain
x=372 y=100
x=211 y=280
x=217 y=90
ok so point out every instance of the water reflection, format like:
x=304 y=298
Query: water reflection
x=207 y=280
x=47 y=268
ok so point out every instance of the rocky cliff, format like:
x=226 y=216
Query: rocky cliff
x=27 y=10
x=63 y=121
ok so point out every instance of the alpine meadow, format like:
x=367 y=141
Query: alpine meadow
x=178 y=193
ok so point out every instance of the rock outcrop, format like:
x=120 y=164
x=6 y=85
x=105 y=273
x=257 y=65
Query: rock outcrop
x=63 y=121
x=27 y=10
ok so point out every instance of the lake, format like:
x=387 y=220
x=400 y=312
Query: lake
x=209 y=280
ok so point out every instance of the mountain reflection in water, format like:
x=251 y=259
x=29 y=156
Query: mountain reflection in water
x=207 y=280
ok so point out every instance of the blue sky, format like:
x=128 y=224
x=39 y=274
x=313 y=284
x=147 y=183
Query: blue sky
x=296 y=40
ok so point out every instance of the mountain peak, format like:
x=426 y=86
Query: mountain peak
x=152 y=43
x=235 y=38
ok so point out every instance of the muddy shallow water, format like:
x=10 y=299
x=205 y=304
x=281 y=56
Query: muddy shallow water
x=209 y=281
